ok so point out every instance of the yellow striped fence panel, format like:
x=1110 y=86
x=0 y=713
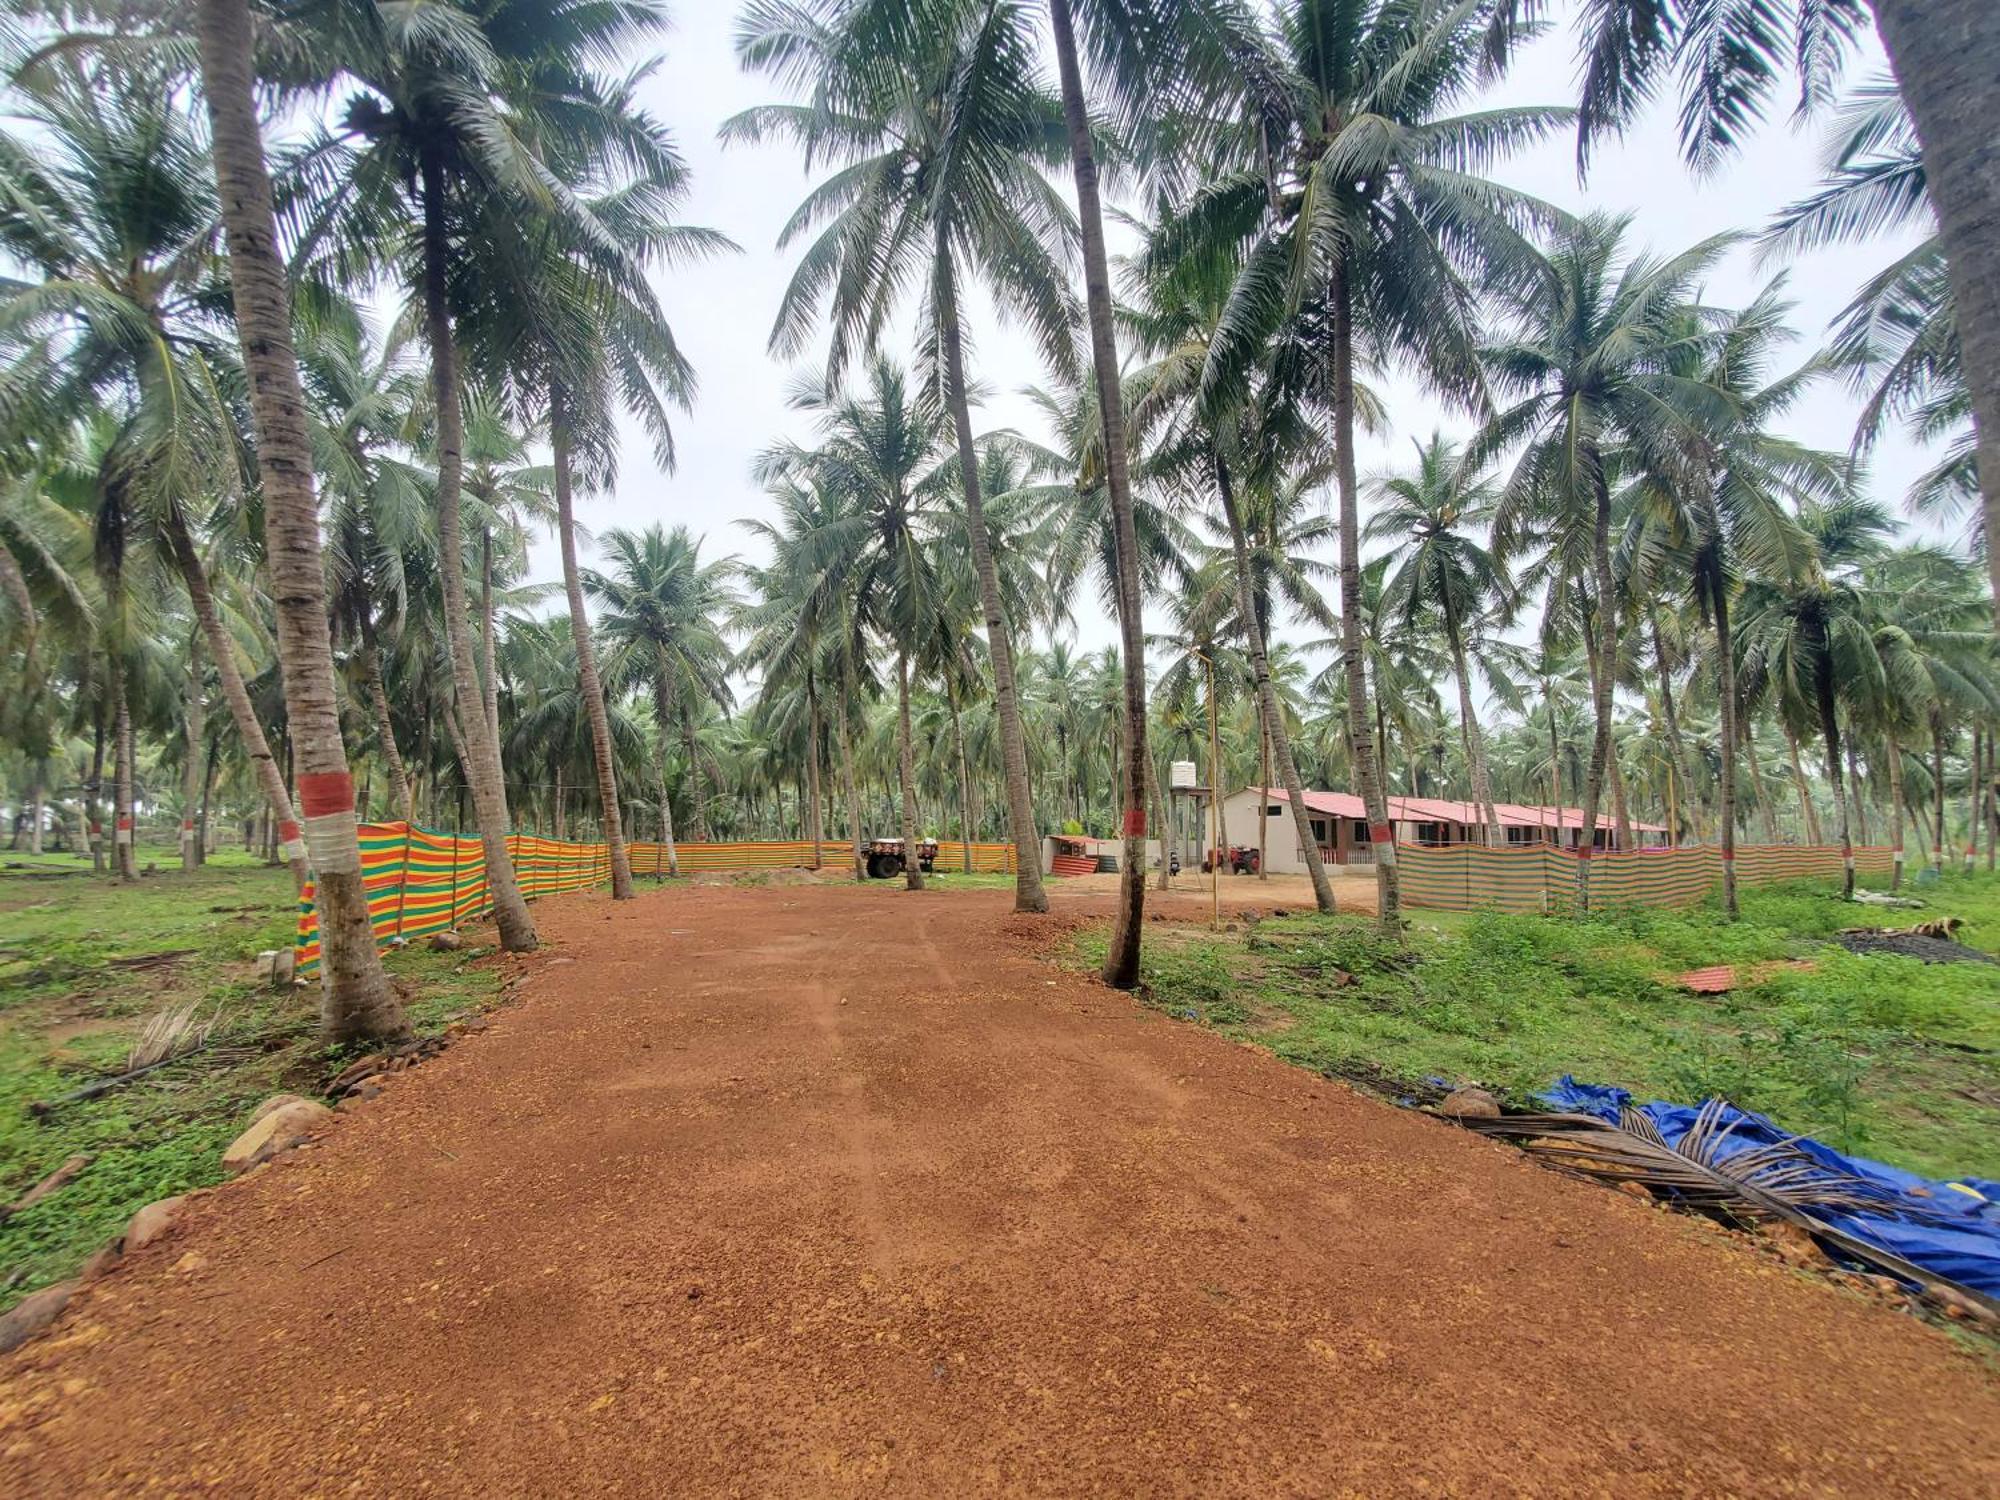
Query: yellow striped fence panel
x=1540 y=878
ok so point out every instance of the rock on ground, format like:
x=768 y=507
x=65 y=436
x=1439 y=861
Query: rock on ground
x=274 y=1131
x=33 y=1313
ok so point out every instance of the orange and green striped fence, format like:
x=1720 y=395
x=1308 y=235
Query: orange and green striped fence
x=1539 y=877
x=419 y=882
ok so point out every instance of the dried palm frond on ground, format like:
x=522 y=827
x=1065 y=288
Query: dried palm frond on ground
x=172 y=1031
x=1773 y=1183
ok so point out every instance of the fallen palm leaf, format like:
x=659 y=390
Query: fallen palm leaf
x=1775 y=1183
x=171 y=1032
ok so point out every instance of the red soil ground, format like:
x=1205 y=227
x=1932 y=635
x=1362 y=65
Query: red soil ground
x=821 y=1190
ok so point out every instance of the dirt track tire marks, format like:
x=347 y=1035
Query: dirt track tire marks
x=682 y=1223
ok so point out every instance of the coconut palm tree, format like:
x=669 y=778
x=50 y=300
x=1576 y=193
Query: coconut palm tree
x=886 y=456
x=1731 y=58
x=358 y=1002
x=662 y=618
x=450 y=114
x=1590 y=359
x=938 y=146
x=1354 y=189
x=1446 y=577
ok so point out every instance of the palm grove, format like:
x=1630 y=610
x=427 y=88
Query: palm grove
x=283 y=415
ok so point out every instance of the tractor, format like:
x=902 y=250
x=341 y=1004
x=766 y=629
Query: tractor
x=1240 y=859
x=885 y=857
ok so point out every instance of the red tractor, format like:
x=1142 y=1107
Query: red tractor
x=885 y=857
x=1240 y=859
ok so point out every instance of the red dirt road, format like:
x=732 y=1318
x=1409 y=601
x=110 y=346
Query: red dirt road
x=825 y=1190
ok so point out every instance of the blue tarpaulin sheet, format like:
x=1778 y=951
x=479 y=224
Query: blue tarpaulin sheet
x=1965 y=1247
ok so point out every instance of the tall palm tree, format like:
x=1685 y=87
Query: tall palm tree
x=1730 y=59
x=1445 y=575
x=357 y=1001
x=1354 y=187
x=662 y=616
x=887 y=457
x=937 y=148
x=1590 y=358
x=1252 y=433
x=576 y=329
x=450 y=113
x=1728 y=512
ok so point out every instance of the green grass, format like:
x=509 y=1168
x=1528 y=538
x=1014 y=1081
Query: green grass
x=68 y=1015
x=1882 y=1055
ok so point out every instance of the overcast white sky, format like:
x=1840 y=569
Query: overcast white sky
x=721 y=312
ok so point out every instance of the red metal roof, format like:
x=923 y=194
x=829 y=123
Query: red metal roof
x=1441 y=810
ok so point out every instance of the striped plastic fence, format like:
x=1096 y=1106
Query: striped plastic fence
x=419 y=882
x=1538 y=877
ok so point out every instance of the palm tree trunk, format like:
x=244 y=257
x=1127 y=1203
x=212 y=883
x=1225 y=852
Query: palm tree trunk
x=1676 y=746
x=913 y=873
x=663 y=716
x=1028 y=893
x=812 y=769
x=1854 y=788
x=1263 y=799
x=1767 y=811
x=484 y=774
x=1808 y=814
x=965 y=784
x=586 y=654
x=1367 y=772
x=1474 y=739
x=1972 y=803
x=1937 y=791
x=697 y=797
x=1943 y=54
x=124 y=832
x=1897 y=855
x=1121 y=961
x=93 y=789
x=1276 y=735
x=490 y=680
x=1829 y=729
x=37 y=808
x=1731 y=721
x=195 y=725
x=1602 y=651
x=357 y=1001
x=1987 y=810
x=849 y=785
x=400 y=793
x=242 y=713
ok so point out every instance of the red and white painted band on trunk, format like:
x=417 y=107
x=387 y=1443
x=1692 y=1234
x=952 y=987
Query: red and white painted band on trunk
x=326 y=792
x=1135 y=822
x=125 y=823
x=1583 y=851
x=1382 y=833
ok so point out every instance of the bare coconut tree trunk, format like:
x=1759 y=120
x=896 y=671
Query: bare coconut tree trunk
x=1937 y=791
x=1121 y=961
x=236 y=693
x=965 y=785
x=1808 y=814
x=1028 y=893
x=850 y=788
x=1829 y=729
x=400 y=793
x=195 y=724
x=586 y=654
x=1676 y=745
x=357 y=1001
x=484 y=774
x=906 y=770
x=1602 y=652
x=124 y=832
x=1361 y=745
x=1898 y=855
x=1943 y=53
x=1470 y=732
x=812 y=768
x=1725 y=661
x=93 y=791
x=1276 y=734
x=1767 y=811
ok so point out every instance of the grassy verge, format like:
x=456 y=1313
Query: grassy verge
x=70 y=1013
x=1882 y=1055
